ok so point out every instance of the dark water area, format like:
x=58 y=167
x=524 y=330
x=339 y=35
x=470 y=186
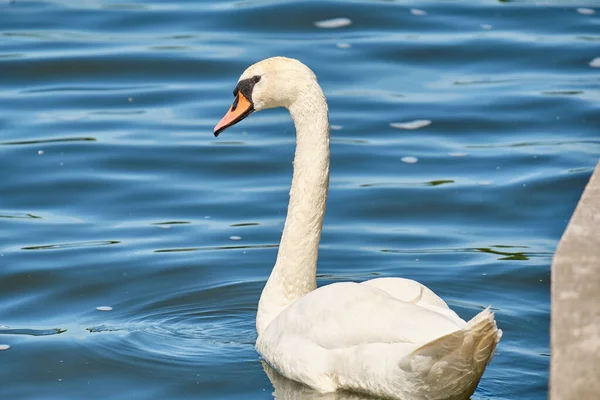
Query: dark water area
x=116 y=194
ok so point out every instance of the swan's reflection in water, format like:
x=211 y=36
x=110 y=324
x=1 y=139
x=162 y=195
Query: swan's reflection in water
x=286 y=389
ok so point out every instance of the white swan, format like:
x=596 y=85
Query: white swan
x=387 y=337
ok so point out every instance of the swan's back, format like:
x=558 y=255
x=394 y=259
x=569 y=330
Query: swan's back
x=346 y=314
x=358 y=337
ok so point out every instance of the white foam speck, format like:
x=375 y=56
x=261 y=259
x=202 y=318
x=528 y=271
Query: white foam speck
x=336 y=127
x=595 y=63
x=586 y=11
x=235 y=237
x=487 y=27
x=416 y=11
x=104 y=308
x=333 y=23
x=484 y=183
x=40 y=152
x=457 y=154
x=4 y=347
x=409 y=160
x=344 y=45
x=420 y=123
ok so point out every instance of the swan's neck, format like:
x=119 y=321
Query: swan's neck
x=294 y=273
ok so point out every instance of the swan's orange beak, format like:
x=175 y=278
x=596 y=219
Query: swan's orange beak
x=240 y=109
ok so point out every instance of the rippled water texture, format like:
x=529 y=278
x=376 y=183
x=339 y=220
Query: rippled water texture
x=134 y=245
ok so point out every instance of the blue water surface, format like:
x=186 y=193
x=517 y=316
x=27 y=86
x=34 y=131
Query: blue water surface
x=114 y=192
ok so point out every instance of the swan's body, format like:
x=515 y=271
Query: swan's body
x=388 y=337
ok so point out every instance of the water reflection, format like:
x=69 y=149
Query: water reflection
x=40 y=141
x=562 y=92
x=20 y=216
x=72 y=245
x=286 y=389
x=245 y=224
x=213 y=248
x=436 y=182
x=169 y=223
x=32 y=332
x=506 y=255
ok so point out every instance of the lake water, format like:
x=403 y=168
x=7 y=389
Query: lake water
x=116 y=194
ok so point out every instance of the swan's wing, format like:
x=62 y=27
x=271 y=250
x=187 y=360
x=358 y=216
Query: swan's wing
x=349 y=314
x=414 y=292
x=454 y=363
x=407 y=290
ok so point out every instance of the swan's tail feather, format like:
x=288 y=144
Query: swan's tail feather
x=457 y=360
x=483 y=326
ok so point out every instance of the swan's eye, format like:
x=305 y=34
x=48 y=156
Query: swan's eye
x=245 y=86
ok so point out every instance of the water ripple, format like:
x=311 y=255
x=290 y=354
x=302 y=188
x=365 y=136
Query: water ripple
x=32 y=332
x=108 y=157
x=76 y=245
x=44 y=141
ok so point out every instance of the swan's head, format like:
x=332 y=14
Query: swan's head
x=270 y=83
